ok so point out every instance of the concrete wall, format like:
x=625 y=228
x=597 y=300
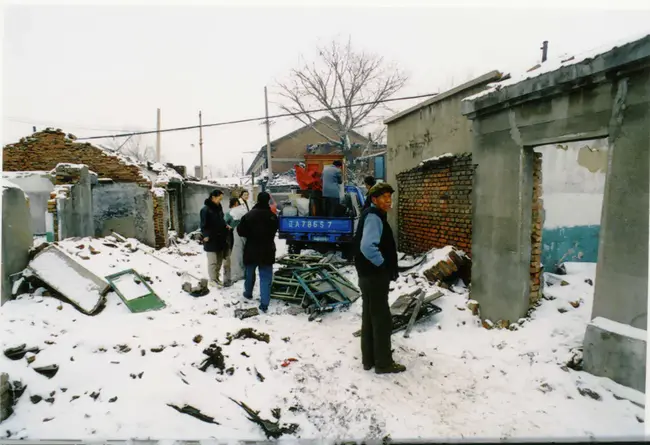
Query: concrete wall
x=75 y=212
x=37 y=186
x=429 y=131
x=17 y=236
x=573 y=185
x=194 y=196
x=607 y=95
x=126 y=208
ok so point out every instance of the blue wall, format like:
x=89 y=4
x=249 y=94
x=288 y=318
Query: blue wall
x=575 y=244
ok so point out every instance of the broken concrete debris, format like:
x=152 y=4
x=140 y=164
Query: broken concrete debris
x=272 y=430
x=69 y=280
x=196 y=289
x=18 y=352
x=245 y=313
x=446 y=271
x=48 y=371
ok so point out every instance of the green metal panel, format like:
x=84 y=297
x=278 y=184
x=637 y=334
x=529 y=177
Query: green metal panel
x=145 y=303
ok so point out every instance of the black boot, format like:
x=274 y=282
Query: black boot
x=395 y=368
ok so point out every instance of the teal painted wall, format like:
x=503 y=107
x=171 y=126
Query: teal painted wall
x=575 y=244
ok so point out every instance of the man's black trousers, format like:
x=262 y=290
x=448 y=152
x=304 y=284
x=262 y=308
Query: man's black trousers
x=376 y=321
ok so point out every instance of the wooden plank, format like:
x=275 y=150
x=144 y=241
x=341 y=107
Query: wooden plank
x=416 y=311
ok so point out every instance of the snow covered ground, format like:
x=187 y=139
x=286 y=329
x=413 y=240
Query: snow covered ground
x=462 y=381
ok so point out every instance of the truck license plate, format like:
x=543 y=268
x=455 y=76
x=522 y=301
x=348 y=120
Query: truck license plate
x=321 y=238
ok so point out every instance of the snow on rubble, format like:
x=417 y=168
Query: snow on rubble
x=119 y=371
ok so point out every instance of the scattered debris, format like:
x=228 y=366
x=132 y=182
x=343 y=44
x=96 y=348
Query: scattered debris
x=286 y=339
x=48 y=371
x=316 y=286
x=473 y=306
x=288 y=361
x=35 y=399
x=545 y=388
x=93 y=251
x=564 y=283
x=215 y=358
x=575 y=362
x=487 y=324
x=248 y=333
x=409 y=262
x=586 y=392
x=259 y=376
x=47 y=419
x=243 y=314
x=589 y=281
x=456 y=264
x=122 y=348
x=196 y=289
x=404 y=308
x=271 y=429
x=191 y=411
x=94 y=395
x=575 y=304
x=197 y=339
x=18 y=352
x=158 y=349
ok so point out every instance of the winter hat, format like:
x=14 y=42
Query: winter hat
x=380 y=188
x=263 y=198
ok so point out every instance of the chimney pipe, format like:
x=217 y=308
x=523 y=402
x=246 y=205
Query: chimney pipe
x=544 y=49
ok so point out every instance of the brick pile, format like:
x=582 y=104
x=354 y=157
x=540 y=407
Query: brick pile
x=435 y=205
x=44 y=150
x=536 y=233
x=160 y=218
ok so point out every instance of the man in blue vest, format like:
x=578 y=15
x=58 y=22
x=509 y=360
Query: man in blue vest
x=376 y=264
x=332 y=179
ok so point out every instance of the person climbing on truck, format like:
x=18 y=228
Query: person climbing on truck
x=332 y=179
x=376 y=264
x=369 y=182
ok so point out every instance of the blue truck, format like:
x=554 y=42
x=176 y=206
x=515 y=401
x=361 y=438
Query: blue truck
x=325 y=234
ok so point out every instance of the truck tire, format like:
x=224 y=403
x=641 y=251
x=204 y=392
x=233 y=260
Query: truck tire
x=295 y=248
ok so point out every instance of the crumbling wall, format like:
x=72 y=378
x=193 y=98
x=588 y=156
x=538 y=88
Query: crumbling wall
x=73 y=196
x=160 y=217
x=194 y=196
x=125 y=208
x=42 y=151
x=536 y=230
x=16 y=234
x=435 y=205
x=37 y=186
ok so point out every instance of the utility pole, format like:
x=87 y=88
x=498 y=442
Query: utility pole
x=268 y=135
x=544 y=49
x=242 y=166
x=201 y=145
x=158 y=135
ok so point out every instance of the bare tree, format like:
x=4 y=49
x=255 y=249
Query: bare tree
x=338 y=79
x=133 y=148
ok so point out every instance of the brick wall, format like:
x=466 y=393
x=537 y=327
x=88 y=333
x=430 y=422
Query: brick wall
x=435 y=205
x=160 y=217
x=45 y=149
x=536 y=233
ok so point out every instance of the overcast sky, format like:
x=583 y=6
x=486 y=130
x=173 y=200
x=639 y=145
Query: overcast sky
x=92 y=70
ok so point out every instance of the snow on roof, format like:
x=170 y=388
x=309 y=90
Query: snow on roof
x=555 y=64
x=7 y=184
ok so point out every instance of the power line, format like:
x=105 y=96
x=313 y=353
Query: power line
x=61 y=124
x=253 y=119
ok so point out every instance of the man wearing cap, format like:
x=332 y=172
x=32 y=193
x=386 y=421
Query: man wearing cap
x=215 y=233
x=259 y=227
x=332 y=179
x=376 y=264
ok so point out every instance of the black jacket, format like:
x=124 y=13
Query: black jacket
x=387 y=248
x=213 y=227
x=259 y=227
x=366 y=203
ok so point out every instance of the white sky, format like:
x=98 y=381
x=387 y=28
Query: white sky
x=92 y=69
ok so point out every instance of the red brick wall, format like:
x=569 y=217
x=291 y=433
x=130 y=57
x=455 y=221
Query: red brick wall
x=44 y=150
x=160 y=218
x=435 y=205
x=536 y=233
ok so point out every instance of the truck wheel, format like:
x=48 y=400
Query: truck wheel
x=295 y=248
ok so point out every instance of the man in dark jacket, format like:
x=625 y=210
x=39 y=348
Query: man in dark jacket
x=216 y=234
x=369 y=182
x=376 y=264
x=259 y=227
